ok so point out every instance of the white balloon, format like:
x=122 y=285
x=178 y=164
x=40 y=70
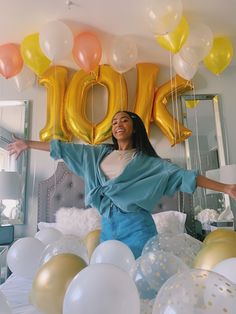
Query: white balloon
x=122 y=54
x=158 y=267
x=101 y=289
x=198 y=44
x=48 y=235
x=183 y=68
x=163 y=15
x=65 y=244
x=24 y=255
x=196 y=291
x=4 y=305
x=227 y=268
x=113 y=252
x=182 y=245
x=56 y=40
x=25 y=79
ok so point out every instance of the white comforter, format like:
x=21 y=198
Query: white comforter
x=16 y=290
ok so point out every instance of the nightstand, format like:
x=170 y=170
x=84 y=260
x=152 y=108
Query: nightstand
x=3 y=263
x=6 y=234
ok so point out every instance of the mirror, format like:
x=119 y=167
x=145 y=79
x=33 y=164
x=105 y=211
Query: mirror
x=14 y=118
x=205 y=149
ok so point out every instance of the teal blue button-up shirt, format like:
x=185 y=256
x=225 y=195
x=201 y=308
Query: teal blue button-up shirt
x=142 y=183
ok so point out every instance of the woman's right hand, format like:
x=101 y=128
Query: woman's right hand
x=17 y=147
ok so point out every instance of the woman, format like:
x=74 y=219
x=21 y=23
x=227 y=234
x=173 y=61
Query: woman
x=126 y=180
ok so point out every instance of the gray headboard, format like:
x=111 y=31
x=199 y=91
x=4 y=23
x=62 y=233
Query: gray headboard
x=64 y=189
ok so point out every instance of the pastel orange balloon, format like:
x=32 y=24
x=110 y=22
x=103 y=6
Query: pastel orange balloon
x=11 y=62
x=87 y=51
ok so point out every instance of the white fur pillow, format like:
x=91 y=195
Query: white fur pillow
x=170 y=222
x=77 y=221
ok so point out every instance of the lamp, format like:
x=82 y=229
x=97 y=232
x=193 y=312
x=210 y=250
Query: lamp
x=10 y=187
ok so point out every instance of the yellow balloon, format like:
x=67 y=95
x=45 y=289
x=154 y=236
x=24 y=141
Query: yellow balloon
x=92 y=240
x=174 y=40
x=220 y=235
x=174 y=131
x=213 y=253
x=32 y=54
x=220 y=55
x=51 y=281
x=55 y=80
x=191 y=103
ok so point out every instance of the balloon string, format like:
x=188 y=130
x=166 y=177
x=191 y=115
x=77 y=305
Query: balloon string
x=54 y=130
x=172 y=87
x=92 y=111
x=198 y=159
x=121 y=98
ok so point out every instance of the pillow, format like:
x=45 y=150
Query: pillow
x=170 y=222
x=42 y=225
x=77 y=221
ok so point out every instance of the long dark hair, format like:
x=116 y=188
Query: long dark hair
x=140 y=138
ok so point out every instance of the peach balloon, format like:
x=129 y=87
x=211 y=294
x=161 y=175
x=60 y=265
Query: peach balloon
x=11 y=62
x=87 y=51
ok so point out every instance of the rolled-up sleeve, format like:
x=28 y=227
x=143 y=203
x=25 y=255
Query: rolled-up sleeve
x=72 y=154
x=181 y=179
x=55 y=150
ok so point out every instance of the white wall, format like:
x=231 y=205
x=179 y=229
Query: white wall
x=41 y=166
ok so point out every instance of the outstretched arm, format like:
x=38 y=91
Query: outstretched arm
x=217 y=186
x=18 y=146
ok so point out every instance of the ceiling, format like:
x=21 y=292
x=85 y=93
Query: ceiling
x=108 y=18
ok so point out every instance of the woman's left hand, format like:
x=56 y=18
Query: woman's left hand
x=231 y=190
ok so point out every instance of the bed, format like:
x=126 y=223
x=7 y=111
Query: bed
x=65 y=190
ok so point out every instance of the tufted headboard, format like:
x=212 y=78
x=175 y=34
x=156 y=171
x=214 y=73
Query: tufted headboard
x=64 y=189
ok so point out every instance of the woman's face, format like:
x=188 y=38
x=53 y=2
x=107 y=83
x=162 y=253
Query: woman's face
x=122 y=127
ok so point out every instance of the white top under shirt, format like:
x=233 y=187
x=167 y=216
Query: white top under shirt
x=114 y=163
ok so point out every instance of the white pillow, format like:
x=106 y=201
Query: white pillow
x=170 y=222
x=42 y=225
x=77 y=221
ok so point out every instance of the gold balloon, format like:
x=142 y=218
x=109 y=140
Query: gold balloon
x=52 y=280
x=32 y=54
x=213 y=253
x=174 y=131
x=220 y=235
x=117 y=100
x=55 y=80
x=91 y=241
x=174 y=40
x=76 y=99
x=146 y=82
x=220 y=55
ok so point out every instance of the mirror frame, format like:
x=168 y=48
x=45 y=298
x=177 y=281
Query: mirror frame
x=23 y=159
x=220 y=137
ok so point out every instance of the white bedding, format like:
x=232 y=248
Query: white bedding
x=17 y=289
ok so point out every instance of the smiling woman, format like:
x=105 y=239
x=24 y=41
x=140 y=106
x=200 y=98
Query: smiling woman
x=13 y=120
